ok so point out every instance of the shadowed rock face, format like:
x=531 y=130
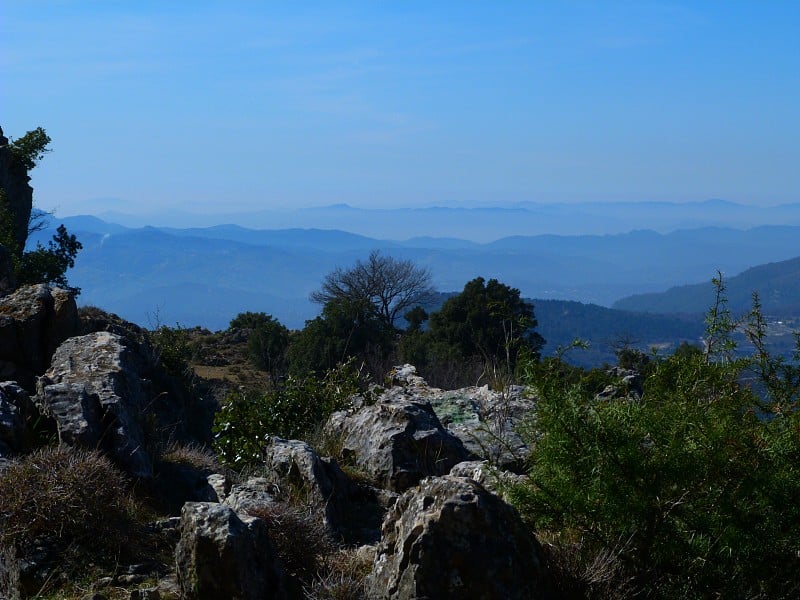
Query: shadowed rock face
x=19 y=194
x=95 y=393
x=34 y=321
x=397 y=441
x=222 y=557
x=450 y=538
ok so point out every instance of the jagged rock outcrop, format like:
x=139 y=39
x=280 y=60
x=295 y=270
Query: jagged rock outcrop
x=450 y=538
x=34 y=321
x=97 y=396
x=486 y=421
x=221 y=556
x=16 y=408
x=397 y=441
x=319 y=478
x=8 y=280
x=18 y=193
x=490 y=477
x=255 y=494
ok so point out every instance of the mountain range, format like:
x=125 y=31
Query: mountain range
x=487 y=223
x=205 y=276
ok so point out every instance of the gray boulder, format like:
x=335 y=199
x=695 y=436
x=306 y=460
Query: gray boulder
x=223 y=557
x=320 y=479
x=450 y=538
x=397 y=441
x=95 y=393
x=34 y=321
x=8 y=280
x=252 y=495
x=16 y=408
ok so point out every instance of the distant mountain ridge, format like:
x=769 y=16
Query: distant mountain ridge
x=777 y=283
x=489 y=223
x=205 y=276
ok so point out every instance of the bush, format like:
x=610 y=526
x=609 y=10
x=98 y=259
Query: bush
x=172 y=349
x=693 y=486
x=245 y=421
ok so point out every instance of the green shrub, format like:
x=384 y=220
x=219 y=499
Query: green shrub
x=694 y=487
x=294 y=410
x=172 y=349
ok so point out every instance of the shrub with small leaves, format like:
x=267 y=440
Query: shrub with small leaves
x=294 y=410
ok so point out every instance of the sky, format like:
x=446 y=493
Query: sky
x=237 y=106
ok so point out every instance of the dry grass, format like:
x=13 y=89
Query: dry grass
x=77 y=505
x=192 y=455
x=580 y=570
x=300 y=538
x=341 y=578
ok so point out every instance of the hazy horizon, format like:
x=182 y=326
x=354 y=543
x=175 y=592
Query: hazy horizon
x=159 y=106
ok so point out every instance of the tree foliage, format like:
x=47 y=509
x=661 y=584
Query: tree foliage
x=390 y=286
x=267 y=342
x=50 y=264
x=30 y=148
x=345 y=329
x=487 y=320
x=693 y=486
x=42 y=264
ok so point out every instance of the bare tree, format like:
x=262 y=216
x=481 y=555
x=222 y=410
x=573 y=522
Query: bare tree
x=389 y=284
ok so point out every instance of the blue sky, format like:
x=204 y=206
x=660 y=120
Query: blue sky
x=222 y=106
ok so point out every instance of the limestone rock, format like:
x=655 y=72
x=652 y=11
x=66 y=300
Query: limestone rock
x=34 y=321
x=450 y=538
x=18 y=192
x=254 y=494
x=96 y=394
x=8 y=280
x=295 y=463
x=223 y=557
x=397 y=441
x=15 y=408
x=490 y=477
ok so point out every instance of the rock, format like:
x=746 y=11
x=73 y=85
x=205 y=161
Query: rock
x=220 y=484
x=34 y=321
x=8 y=279
x=254 y=494
x=450 y=538
x=490 y=477
x=397 y=441
x=223 y=557
x=16 y=408
x=18 y=192
x=96 y=394
x=295 y=463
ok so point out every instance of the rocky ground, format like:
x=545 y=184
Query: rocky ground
x=408 y=505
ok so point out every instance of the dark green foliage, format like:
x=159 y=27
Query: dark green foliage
x=415 y=318
x=49 y=265
x=42 y=264
x=267 y=342
x=294 y=410
x=694 y=486
x=30 y=148
x=486 y=320
x=172 y=349
x=346 y=329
